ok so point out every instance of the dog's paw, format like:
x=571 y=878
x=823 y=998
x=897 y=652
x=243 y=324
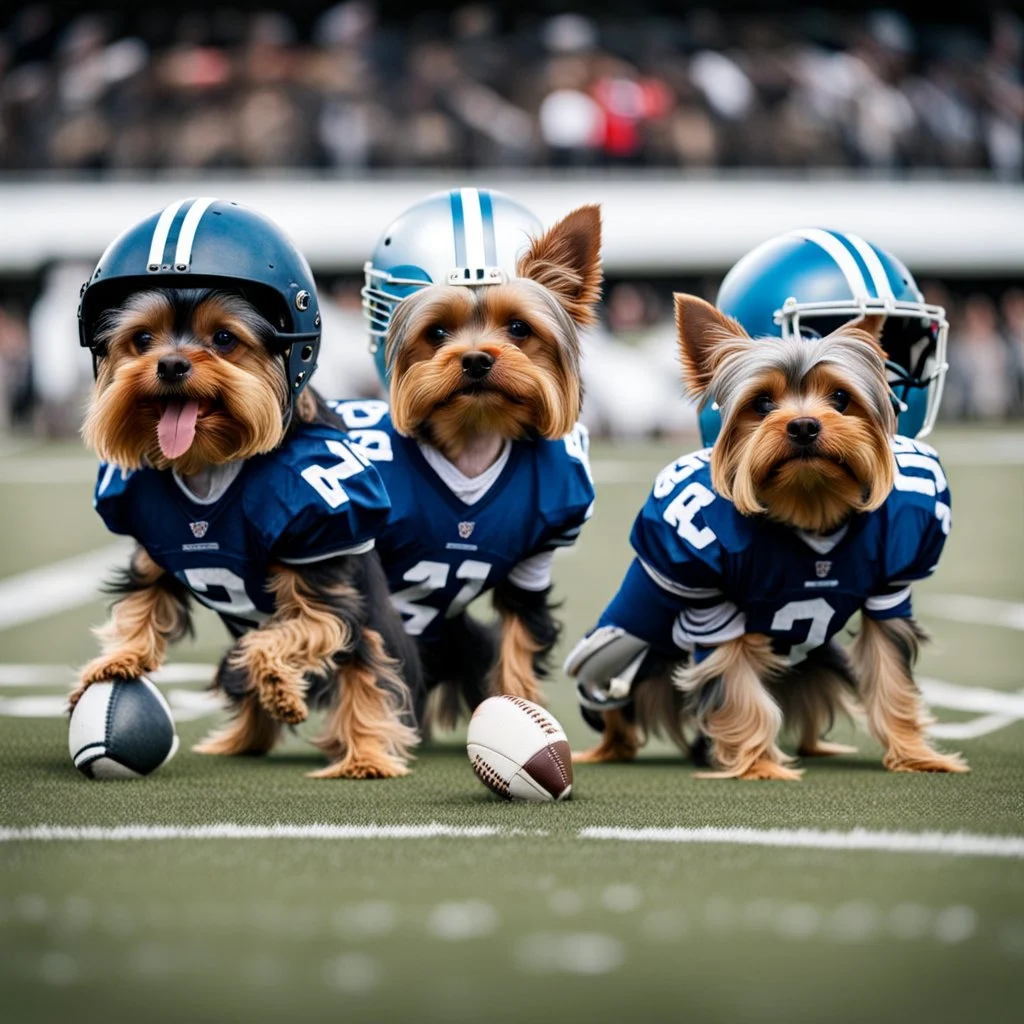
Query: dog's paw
x=362 y=768
x=926 y=760
x=761 y=769
x=605 y=753
x=823 y=748
x=120 y=665
x=282 y=702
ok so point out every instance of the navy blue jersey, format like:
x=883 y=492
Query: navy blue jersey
x=440 y=553
x=704 y=574
x=313 y=498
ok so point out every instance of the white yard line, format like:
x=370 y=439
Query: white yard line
x=971 y=698
x=980 y=611
x=58 y=587
x=956 y=844
x=25 y=676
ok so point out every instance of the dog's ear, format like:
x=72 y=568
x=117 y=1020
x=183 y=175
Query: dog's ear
x=566 y=260
x=871 y=325
x=706 y=337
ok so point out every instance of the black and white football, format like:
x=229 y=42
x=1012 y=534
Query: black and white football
x=121 y=730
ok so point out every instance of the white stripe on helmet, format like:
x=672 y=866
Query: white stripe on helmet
x=183 y=253
x=473 y=223
x=878 y=275
x=842 y=257
x=160 y=233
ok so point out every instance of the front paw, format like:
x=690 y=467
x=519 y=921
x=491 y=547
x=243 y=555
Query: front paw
x=283 y=702
x=925 y=760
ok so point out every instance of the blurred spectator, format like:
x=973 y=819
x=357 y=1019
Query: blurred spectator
x=980 y=362
x=1012 y=307
x=480 y=87
x=15 y=370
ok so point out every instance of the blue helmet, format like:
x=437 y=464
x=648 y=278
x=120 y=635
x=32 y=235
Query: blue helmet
x=463 y=236
x=810 y=281
x=210 y=243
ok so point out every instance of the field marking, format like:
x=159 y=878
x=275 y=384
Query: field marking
x=956 y=844
x=58 y=587
x=980 y=611
x=26 y=675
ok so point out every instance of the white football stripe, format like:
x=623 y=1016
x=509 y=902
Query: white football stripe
x=846 y=263
x=955 y=844
x=161 y=231
x=879 y=278
x=473 y=224
x=183 y=253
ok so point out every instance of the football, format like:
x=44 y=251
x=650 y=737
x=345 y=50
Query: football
x=519 y=750
x=121 y=730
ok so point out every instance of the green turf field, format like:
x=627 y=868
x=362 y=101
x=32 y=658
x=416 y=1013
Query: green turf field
x=481 y=910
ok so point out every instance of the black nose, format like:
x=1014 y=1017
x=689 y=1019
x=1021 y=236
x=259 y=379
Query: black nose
x=477 y=364
x=172 y=369
x=803 y=431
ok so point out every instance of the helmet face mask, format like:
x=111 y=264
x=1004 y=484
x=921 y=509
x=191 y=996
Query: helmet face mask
x=808 y=282
x=467 y=236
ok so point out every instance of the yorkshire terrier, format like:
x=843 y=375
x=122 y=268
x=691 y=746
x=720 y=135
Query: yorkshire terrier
x=218 y=477
x=751 y=556
x=485 y=462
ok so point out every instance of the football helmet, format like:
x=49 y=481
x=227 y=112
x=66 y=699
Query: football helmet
x=463 y=236
x=808 y=282
x=212 y=243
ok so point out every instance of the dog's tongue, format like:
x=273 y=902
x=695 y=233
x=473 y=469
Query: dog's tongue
x=177 y=427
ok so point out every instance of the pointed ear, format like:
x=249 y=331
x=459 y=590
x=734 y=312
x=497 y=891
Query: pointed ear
x=566 y=260
x=871 y=325
x=706 y=336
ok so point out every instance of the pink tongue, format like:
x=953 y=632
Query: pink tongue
x=177 y=427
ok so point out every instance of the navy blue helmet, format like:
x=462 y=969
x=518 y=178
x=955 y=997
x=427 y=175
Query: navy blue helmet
x=462 y=236
x=212 y=243
x=810 y=281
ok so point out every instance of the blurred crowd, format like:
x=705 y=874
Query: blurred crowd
x=346 y=89
x=630 y=368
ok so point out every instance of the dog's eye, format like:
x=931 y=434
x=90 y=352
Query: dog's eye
x=519 y=330
x=763 y=405
x=436 y=334
x=224 y=341
x=840 y=399
x=142 y=340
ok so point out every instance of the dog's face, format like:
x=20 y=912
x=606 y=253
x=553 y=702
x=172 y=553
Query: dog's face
x=187 y=381
x=805 y=424
x=500 y=358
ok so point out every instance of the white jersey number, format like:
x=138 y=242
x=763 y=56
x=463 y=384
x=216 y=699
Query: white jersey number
x=817 y=611
x=427 y=578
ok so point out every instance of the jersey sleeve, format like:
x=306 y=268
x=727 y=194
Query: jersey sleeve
x=110 y=498
x=321 y=500
x=567 y=489
x=920 y=518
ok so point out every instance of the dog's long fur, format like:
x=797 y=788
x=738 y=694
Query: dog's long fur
x=533 y=390
x=742 y=696
x=333 y=641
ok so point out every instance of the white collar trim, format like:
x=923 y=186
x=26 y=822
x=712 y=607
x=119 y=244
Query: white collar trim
x=469 y=489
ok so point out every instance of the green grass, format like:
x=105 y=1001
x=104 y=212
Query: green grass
x=540 y=924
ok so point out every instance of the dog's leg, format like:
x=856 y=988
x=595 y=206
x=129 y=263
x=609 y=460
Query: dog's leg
x=736 y=712
x=152 y=611
x=529 y=631
x=365 y=735
x=619 y=742
x=813 y=694
x=884 y=653
x=251 y=730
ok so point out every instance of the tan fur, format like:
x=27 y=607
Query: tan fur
x=619 y=742
x=251 y=731
x=364 y=734
x=513 y=673
x=743 y=726
x=812 y=696
x=134 y=640
x=883 y=654
x=241 y=394
x=566 y=260
x=706 y=336
x=300 y=637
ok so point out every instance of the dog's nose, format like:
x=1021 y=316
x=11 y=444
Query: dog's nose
x=803 y=431
x=477 y=364
x=173 y=369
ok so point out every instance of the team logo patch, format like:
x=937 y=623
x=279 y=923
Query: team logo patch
x=465 y=529
x=199 y=529
x=822 y=569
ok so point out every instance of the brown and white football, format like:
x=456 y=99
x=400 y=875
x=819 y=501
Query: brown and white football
x=519 y=750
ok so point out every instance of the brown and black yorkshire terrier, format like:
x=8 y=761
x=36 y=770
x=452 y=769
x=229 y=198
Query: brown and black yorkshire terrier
x=486 y=463
x=220 y=479
x=753 y=555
